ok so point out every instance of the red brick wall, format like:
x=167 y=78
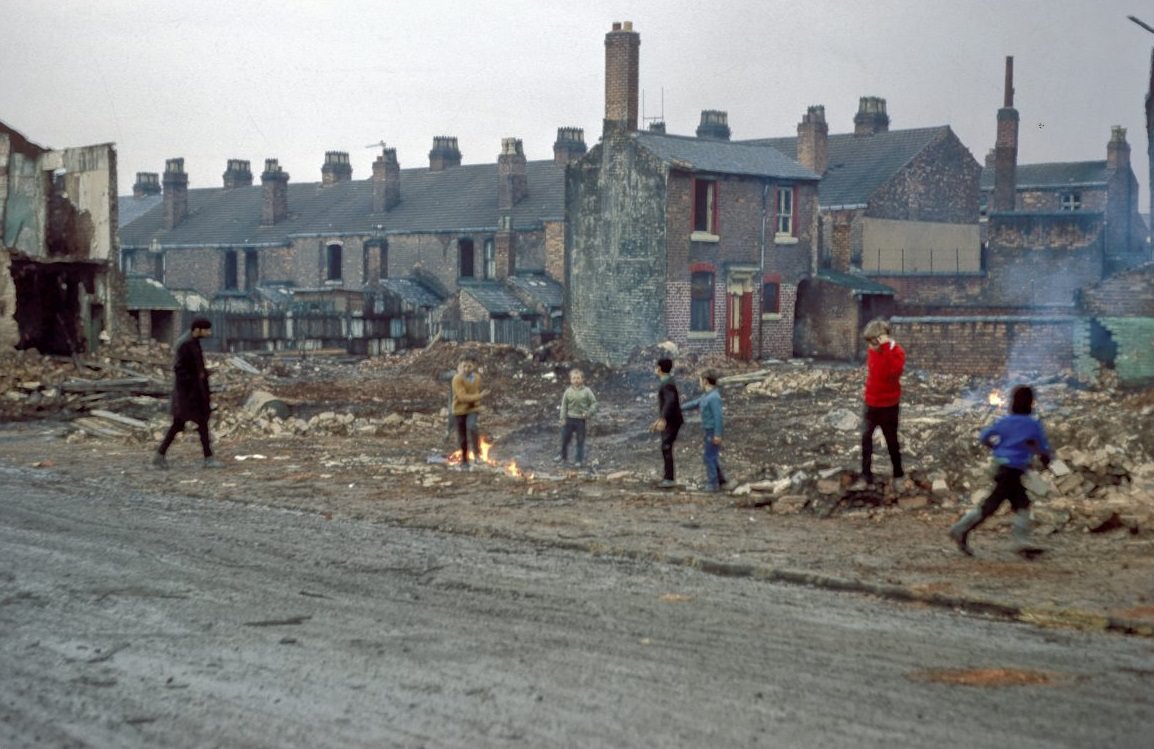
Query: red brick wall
x=555 y=250
x=941 y=184
x=1129 y=294
x=990 y=346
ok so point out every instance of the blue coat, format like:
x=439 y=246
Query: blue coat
x=1015 y=439
x=710 y=405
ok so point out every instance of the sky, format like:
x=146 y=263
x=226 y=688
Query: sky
x=213 y=80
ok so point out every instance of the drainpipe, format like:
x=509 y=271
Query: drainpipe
x=761 y=268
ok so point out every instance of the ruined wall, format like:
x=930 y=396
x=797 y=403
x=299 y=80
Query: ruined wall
x=555 y=250
x=615 y=198
x=828 y=321
x=1037 y=259
x=987 y=346
x=1124 y=306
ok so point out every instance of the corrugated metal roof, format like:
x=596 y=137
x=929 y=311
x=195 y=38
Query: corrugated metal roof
x=856 y=283
x=462 y=198
x=858 y=166
x=724 y=157
x=142 y=292
x=1054 y=175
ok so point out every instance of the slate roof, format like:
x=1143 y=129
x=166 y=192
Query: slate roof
x=461 y=198
x=142 y=292
x=412 y=291
x=858 y=166
x=1055 y=175
x=495 y=298
x=540 y=287
x=724 y=157
x=858 y=284
x=130 y=208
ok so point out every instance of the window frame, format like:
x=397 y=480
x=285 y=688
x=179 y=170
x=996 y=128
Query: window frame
x=1070 y=201
x=694 y=314
x=489 y=258
x=230 y=282
x=705 y=218
x=334 y=251
x=785 y=218
x=462 y=243
x=775 y=284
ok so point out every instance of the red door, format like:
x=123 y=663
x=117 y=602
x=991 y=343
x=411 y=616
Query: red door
x=739 y=326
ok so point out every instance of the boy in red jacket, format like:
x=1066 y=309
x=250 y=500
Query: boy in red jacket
x=883 y=392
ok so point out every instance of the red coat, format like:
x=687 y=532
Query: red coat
x=883 y=386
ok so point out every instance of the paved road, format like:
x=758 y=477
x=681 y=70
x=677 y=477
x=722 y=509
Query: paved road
x=132 y=620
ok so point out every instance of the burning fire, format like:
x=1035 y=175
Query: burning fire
x=996 y=400
x=486 y=444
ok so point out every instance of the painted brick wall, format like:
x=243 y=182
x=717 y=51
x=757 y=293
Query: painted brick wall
x=992 y=347
x=1134 y=337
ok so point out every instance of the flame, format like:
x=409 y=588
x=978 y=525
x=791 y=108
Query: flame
x=995 y=399
x=513 y=470
x=486 y=444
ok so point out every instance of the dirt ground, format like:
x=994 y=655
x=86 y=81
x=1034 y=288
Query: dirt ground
x=368 y=439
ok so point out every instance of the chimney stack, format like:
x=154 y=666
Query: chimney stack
x=657 y=126
x=175 y=193
x=569 y=146
x=386 y=181
x=336 y=168
x=714 y=125
x=274 y=207
x=238 y=173
x=513 y=179
x=1006 y=149
x=871 y=117
x=147 y=183
x=813 y=140
x=445 y=153
x=622 y=72
x=1118 y=150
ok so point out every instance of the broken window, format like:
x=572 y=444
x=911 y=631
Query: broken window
x=333 y=263
x=490 y=259
x=705 y=205
x=465 y=251
x=701 y=301
x=251 y=269
x=1071 y=201
x=785 y=207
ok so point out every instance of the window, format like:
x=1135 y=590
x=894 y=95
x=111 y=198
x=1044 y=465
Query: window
x=771 y=298
x=786 y=221
x=251 y=269
x=705 y=205
x=465 y=252
x=230 y=270
x=333 y=262
x=1071 y=201
x=375 y=261
x=701 y=301
x=490 y=259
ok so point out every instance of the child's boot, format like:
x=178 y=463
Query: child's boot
x=1021 y=533
x=960 y=531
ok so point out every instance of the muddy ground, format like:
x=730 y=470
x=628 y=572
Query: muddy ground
x=367 y=439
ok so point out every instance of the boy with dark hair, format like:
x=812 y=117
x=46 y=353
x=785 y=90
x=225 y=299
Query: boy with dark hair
x=467 y=395
x=670 y=419
x=712 y=426
x=1015 y=439
x=190 y=394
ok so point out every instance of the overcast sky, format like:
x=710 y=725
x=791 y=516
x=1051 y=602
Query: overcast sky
x=210 y=80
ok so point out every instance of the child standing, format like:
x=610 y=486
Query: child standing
x=670 y=420
x=885 y=362
x=1015 y=440
x=711 y=425
x=577 y=404
x=467 y=395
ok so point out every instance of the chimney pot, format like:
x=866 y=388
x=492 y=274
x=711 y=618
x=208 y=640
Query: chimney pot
x=871 y=117
x=714 y=124
x=445 y=153
x=237 y=173
x=569 y=146
x=336 y=168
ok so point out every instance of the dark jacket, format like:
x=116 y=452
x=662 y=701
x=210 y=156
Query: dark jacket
x=669 y=403
x=190 y=394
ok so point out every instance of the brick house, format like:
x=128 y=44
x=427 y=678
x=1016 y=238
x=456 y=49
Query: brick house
x=697 y=240
x=59 y=289
x=438 y=225
x=898 y=217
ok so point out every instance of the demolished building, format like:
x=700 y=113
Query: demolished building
x=58 y=281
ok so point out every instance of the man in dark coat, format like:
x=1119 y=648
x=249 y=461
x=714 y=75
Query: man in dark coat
x=669 y=423
x=190 y=394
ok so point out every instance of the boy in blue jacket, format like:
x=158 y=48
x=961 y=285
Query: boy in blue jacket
x=1015 y=440
x=712 y=425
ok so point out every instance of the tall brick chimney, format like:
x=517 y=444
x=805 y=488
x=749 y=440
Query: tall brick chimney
x=147 y=183
x=238 y=173
x=274 y=207
x=445 y=153
x=813 y=140
x=622 y=74
x=1150 y=134
x=1117 y=149
x=1006 y=148
x=513 y=180
x=336 y=168
x=871 y=117
x=569 y=146
x=714 y=124
x=175 y=193
x=386 y=181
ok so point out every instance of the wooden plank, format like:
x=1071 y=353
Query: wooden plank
x=119 y=419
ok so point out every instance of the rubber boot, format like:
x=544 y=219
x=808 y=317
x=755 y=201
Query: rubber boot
x=1021 y=533
x=960 y=531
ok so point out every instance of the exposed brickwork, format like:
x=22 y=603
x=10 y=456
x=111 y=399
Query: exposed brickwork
x=622 y=71
x=470 y=309
x=1128 y=294
x=941 y=184
x=336 y=168
x=920 y=291
x=386 y=181
x=175 y=192
x=554 y=250
x=274 y=205
x=992 y=347
x=1067 y=246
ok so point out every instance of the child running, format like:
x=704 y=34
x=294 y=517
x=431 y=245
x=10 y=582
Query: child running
x=578 y=404
x=1015 y=439
x=712 y=426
